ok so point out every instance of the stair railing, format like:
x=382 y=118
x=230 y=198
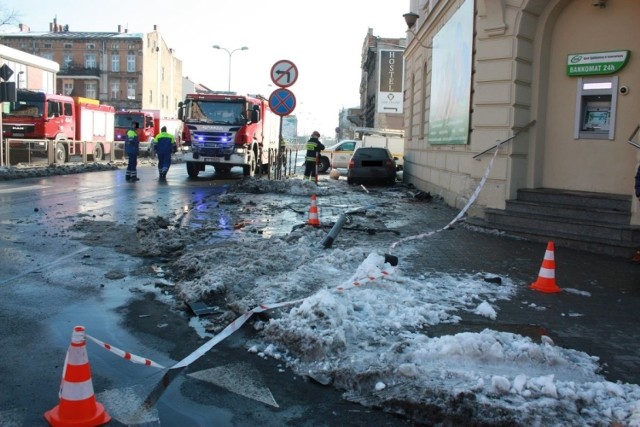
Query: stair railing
x=633 y=135
x=527 y=126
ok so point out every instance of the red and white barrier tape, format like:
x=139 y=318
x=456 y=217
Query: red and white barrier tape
x=226 y=332
x=231 y=328
x=360 y=282
x=466 y=207
x=125 y=354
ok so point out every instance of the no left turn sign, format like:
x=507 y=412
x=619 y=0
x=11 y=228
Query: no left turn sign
x=284 y=73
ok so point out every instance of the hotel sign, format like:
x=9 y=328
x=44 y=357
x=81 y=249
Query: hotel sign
x=590 y=64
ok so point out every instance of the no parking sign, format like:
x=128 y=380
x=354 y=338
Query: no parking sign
x=282 y=101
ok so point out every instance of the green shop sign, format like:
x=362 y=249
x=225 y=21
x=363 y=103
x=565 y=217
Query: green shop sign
x=589 y=64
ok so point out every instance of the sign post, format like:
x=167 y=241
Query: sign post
x=284 y=73
x=7 y=93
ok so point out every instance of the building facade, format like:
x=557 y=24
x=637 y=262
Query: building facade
x=126 y=70
x=565 y=73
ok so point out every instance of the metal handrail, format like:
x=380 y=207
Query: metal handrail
x=633 y=135
x=527 y=126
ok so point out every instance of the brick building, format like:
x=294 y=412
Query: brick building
x=126 y=70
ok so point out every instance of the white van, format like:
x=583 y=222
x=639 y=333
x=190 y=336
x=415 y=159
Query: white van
x=337 y=156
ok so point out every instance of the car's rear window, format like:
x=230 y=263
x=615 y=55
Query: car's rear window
x=371 y=153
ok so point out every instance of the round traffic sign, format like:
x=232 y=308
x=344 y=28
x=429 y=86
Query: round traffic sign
x=284 y=73
x=282 y=101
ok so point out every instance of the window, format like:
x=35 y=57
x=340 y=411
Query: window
x=91 y=90
x=91 y=46
x=68 y=45
x=131 y=62
x=115 y=46
x=68 y=109
x=47 y=45
x=68 y=60
x=115 y=89
x=48 y=55
x=131 y=89
x=90 y=60
x=67 y=88
x=115 y=62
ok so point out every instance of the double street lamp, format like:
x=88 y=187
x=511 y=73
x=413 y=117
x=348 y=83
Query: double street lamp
x=215 y=46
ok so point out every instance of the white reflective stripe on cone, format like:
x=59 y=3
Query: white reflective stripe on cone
x=77 y=356
x=547 y=273
x=76 y=391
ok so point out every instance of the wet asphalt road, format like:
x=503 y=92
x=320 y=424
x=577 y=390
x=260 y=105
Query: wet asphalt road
x=51 y=282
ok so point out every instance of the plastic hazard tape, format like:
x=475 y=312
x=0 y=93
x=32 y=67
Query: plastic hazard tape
x=365 y=280
x=230 y=329
x=464 y=210
x=226 y=332
x=125 y=354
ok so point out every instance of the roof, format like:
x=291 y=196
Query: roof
x=72 y=35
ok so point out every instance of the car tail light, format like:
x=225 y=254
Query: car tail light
x=389 y=163
x=351 y=164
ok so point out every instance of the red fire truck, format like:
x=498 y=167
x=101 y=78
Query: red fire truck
x=227 y=130
x=148 y=127
x=69 y=123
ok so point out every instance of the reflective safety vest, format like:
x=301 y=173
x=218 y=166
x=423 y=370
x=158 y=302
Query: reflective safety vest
x=165 y=137
x=312 y=150
x=131 y=142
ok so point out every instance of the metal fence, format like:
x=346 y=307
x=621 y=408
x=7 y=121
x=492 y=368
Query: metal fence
x=41 y=152
x=283 y=163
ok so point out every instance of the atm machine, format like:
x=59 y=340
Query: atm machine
x=596 y=107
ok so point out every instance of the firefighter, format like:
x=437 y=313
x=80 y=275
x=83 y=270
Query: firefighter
x=165 y=146
x=132 y=148
x=314 y=147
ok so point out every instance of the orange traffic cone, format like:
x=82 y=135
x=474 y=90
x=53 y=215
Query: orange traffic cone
x=314 y=220
x=78 y=406
x=547 y=277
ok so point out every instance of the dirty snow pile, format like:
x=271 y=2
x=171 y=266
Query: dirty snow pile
x=364 y=326
x=25 y=171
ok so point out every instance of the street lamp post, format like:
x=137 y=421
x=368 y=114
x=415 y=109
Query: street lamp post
x=215 y=46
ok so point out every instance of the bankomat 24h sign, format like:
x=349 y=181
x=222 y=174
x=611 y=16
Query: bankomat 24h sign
x=595 y=63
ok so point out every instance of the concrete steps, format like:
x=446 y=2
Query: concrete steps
x=594 y=222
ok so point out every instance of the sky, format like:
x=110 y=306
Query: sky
x=323 y=39
x=362 y=325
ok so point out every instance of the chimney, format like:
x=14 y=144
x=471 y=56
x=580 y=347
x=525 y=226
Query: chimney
x=155 y=27
x=24 y=28
x=119 y=28
x=51 y=27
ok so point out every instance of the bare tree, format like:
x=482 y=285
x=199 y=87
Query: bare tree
x=8 y=16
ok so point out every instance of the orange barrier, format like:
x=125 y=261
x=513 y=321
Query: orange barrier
x=78 y=406
x=547 y=276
